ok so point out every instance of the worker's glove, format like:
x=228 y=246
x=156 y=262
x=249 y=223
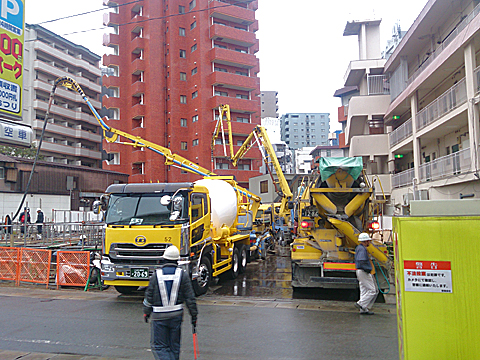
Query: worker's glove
x=146 y=317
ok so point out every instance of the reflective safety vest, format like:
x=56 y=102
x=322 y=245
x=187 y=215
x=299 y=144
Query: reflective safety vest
x=169 y=302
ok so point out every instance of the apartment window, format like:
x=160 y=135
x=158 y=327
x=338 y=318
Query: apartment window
x=181 y=31
x=312 y=116
x=194 y=71
x=264 y=187
x=219 y=69
x=221 y=93
x=181 y=9
x=2 y=173
x=138 y=168
x=220 y=142
x=194 y=94
x=323 y=136
x=322 y=124
x=244 y=167
x=220 y=46
x=192 y=4
x=241 y=96
x=241 y=50
x=243 y=73
x=295 y=130
x=183 y=54
x=223 y=166
x=183 y=145
x=183 y=76
x=183 y=122
x=115 y=159
x=193 y=25
x=195 y=118
x=195 y=142
x=323 y=130
x=239 y=142
x=193 y=48
x=183 y=99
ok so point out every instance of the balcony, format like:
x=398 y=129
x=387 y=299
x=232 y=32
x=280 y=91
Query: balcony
x=111 y=40
x=449 y=100
x=232 y=13
x=231 y=35
x=111 y=102
x=138 y=111
x=65 y=112
x=405 y=178
x=67 y=131
x=236 y=105
x=138 y=44
x=138 y=88
x=445 y=166
x=111 y=81
x=233 y=58
x=254 y=26
x=367 y=145
x=401 y=133
x=378 y=85
x=138 y=156
x=356 y=70
x=111 y=60
x=111 y=19
x=342 y=113
x=138 y=66
x=232 y=81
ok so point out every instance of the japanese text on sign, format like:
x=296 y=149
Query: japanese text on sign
x=428 y=276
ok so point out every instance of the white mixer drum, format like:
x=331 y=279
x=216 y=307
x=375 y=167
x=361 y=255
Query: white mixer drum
x=223 y=202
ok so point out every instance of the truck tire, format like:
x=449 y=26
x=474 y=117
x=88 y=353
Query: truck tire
x=235 y=263
x=202 y=282
x=126 y=290
x=243 y=258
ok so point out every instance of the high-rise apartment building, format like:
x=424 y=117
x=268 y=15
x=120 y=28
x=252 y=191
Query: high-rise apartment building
x=269 y=104
x=175 y=62
x=72 y=134
x=305 y=129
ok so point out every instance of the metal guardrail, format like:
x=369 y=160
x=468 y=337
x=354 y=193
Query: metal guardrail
x=53 y=235
x=453 y=164
x=403 y=178
x=378 y=85
x=449 y=100
x=402 y=132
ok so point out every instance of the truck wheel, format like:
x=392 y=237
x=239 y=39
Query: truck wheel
x=202 y=282
x=125 y=290
x=243 y=259
x=235 y=263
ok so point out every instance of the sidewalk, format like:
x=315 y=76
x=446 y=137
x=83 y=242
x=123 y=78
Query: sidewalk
x=22 y=355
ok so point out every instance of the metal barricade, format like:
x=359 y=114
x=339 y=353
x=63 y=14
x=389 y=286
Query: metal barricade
x=34 y=266
x=73 y=268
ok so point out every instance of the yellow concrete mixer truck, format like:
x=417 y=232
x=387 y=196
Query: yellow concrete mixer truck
x=206 y=220
x=333 y=210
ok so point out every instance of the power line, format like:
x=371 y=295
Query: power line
x=132 y=22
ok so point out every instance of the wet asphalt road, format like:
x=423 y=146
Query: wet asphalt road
x=256 y=316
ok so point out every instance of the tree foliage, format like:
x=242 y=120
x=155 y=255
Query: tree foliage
x=26 y=153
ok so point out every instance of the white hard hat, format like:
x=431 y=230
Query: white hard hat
x=39 y=209
x=171 y=253
x=364 y=237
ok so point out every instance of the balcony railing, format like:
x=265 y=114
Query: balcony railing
x=404 y=178
x=476 y=78
x=449 y=100
x=378 y=85
x=453 y=164
x=445 y=43
x=401 y=133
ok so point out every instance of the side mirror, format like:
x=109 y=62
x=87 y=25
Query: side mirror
x=177 y=207
x=97 y=207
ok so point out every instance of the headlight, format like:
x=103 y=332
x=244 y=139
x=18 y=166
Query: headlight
x=107 y=265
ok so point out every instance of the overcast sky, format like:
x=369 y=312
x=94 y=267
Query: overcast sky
x=303 y=53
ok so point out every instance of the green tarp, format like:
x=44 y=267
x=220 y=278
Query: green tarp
x=329 y=165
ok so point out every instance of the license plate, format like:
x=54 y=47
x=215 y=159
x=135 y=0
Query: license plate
x=139 y=273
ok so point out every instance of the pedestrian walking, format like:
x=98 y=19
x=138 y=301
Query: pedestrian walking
x=24 y=220
x=365 y=271
x=40 y=219
x=168 y=288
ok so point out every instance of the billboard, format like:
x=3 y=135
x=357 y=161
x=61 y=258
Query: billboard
x=12 y=26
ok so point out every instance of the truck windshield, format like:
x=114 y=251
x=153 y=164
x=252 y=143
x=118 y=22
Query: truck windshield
x=142 y=209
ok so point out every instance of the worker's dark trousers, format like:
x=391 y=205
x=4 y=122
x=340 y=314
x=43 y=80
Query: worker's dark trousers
x=165 y=340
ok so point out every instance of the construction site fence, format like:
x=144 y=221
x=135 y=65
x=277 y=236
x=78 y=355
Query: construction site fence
x=40 y=266
x=77 y=235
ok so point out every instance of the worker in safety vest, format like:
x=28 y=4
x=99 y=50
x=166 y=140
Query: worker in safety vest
x=169 y=287
x=366 y=280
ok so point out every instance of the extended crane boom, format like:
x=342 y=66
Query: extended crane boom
x=111 y=135
x=257 y=136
